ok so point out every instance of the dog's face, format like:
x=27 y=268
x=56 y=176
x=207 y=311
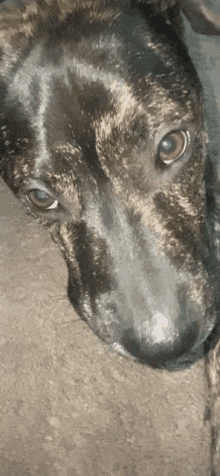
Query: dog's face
x=102 y=140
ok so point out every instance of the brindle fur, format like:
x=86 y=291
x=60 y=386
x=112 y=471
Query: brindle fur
x=88 y=90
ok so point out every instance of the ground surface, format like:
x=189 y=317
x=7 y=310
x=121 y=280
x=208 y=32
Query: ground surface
x=68 y=406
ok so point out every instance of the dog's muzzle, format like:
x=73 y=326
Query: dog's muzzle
x=155 y=319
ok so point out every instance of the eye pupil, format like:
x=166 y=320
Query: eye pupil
x=173 y=146
x=41 y=195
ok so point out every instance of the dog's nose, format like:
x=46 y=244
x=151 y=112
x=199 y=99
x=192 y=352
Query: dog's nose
x=158 y=352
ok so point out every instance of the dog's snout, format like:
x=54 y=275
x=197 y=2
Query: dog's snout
x=159 y=323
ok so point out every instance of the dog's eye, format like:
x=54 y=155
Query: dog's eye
x=42 y=199
x=173 y=146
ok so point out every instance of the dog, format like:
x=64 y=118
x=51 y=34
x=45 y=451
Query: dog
x=102 y=139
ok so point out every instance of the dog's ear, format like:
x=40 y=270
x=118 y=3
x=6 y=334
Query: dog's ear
x=202 y=18
x=18 y=18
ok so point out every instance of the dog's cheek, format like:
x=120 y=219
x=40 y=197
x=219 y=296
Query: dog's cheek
x=86 y=256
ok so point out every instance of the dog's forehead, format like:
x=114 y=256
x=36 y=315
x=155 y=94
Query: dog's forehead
x=126 y=54
x=113 y=88
x=96 y=87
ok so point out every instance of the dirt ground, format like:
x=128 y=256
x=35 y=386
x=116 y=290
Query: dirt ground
x=69 y=406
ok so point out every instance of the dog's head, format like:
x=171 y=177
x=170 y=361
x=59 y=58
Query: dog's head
x=102 y=139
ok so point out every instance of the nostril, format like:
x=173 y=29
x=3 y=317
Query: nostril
x=158 y=354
